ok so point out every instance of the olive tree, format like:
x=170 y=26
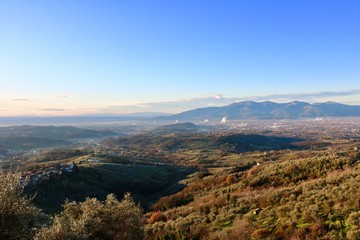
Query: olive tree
x=18 y=215
x=93 y=219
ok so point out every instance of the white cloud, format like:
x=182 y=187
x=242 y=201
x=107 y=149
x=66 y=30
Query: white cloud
x=20 y=99
x=311 y=96
x=62 y=95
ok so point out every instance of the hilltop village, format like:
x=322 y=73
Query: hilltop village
x=39 y=174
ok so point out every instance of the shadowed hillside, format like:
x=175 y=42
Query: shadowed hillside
x=147 y=183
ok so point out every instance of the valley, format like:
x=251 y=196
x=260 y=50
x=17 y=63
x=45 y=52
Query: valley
x=255 y=179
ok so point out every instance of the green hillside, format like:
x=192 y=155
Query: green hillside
x=313 y=196
x=216 y=185
x=146 y=182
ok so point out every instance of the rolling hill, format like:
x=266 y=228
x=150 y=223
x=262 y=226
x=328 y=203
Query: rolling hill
x=28 y=137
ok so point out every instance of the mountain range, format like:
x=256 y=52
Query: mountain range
x=270 y=110
x=239 y=110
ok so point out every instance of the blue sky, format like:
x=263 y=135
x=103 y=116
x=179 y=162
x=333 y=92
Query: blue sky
x=81 y=57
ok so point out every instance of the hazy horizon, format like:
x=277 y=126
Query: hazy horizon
x=85 y=57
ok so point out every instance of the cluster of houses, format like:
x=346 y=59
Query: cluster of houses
x=35 y=177
x=90 y=160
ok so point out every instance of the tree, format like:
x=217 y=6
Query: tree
x=18 y=215
x=353 y=226
x=94 y=219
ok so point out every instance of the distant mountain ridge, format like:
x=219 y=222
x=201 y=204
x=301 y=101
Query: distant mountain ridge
x=270 y=110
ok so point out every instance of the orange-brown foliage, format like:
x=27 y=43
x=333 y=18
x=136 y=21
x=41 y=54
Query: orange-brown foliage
x=157 y=217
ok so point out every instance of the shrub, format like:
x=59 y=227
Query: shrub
x=157 y=217
x=93 y=219
x=353 y=226
x=18 y=215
